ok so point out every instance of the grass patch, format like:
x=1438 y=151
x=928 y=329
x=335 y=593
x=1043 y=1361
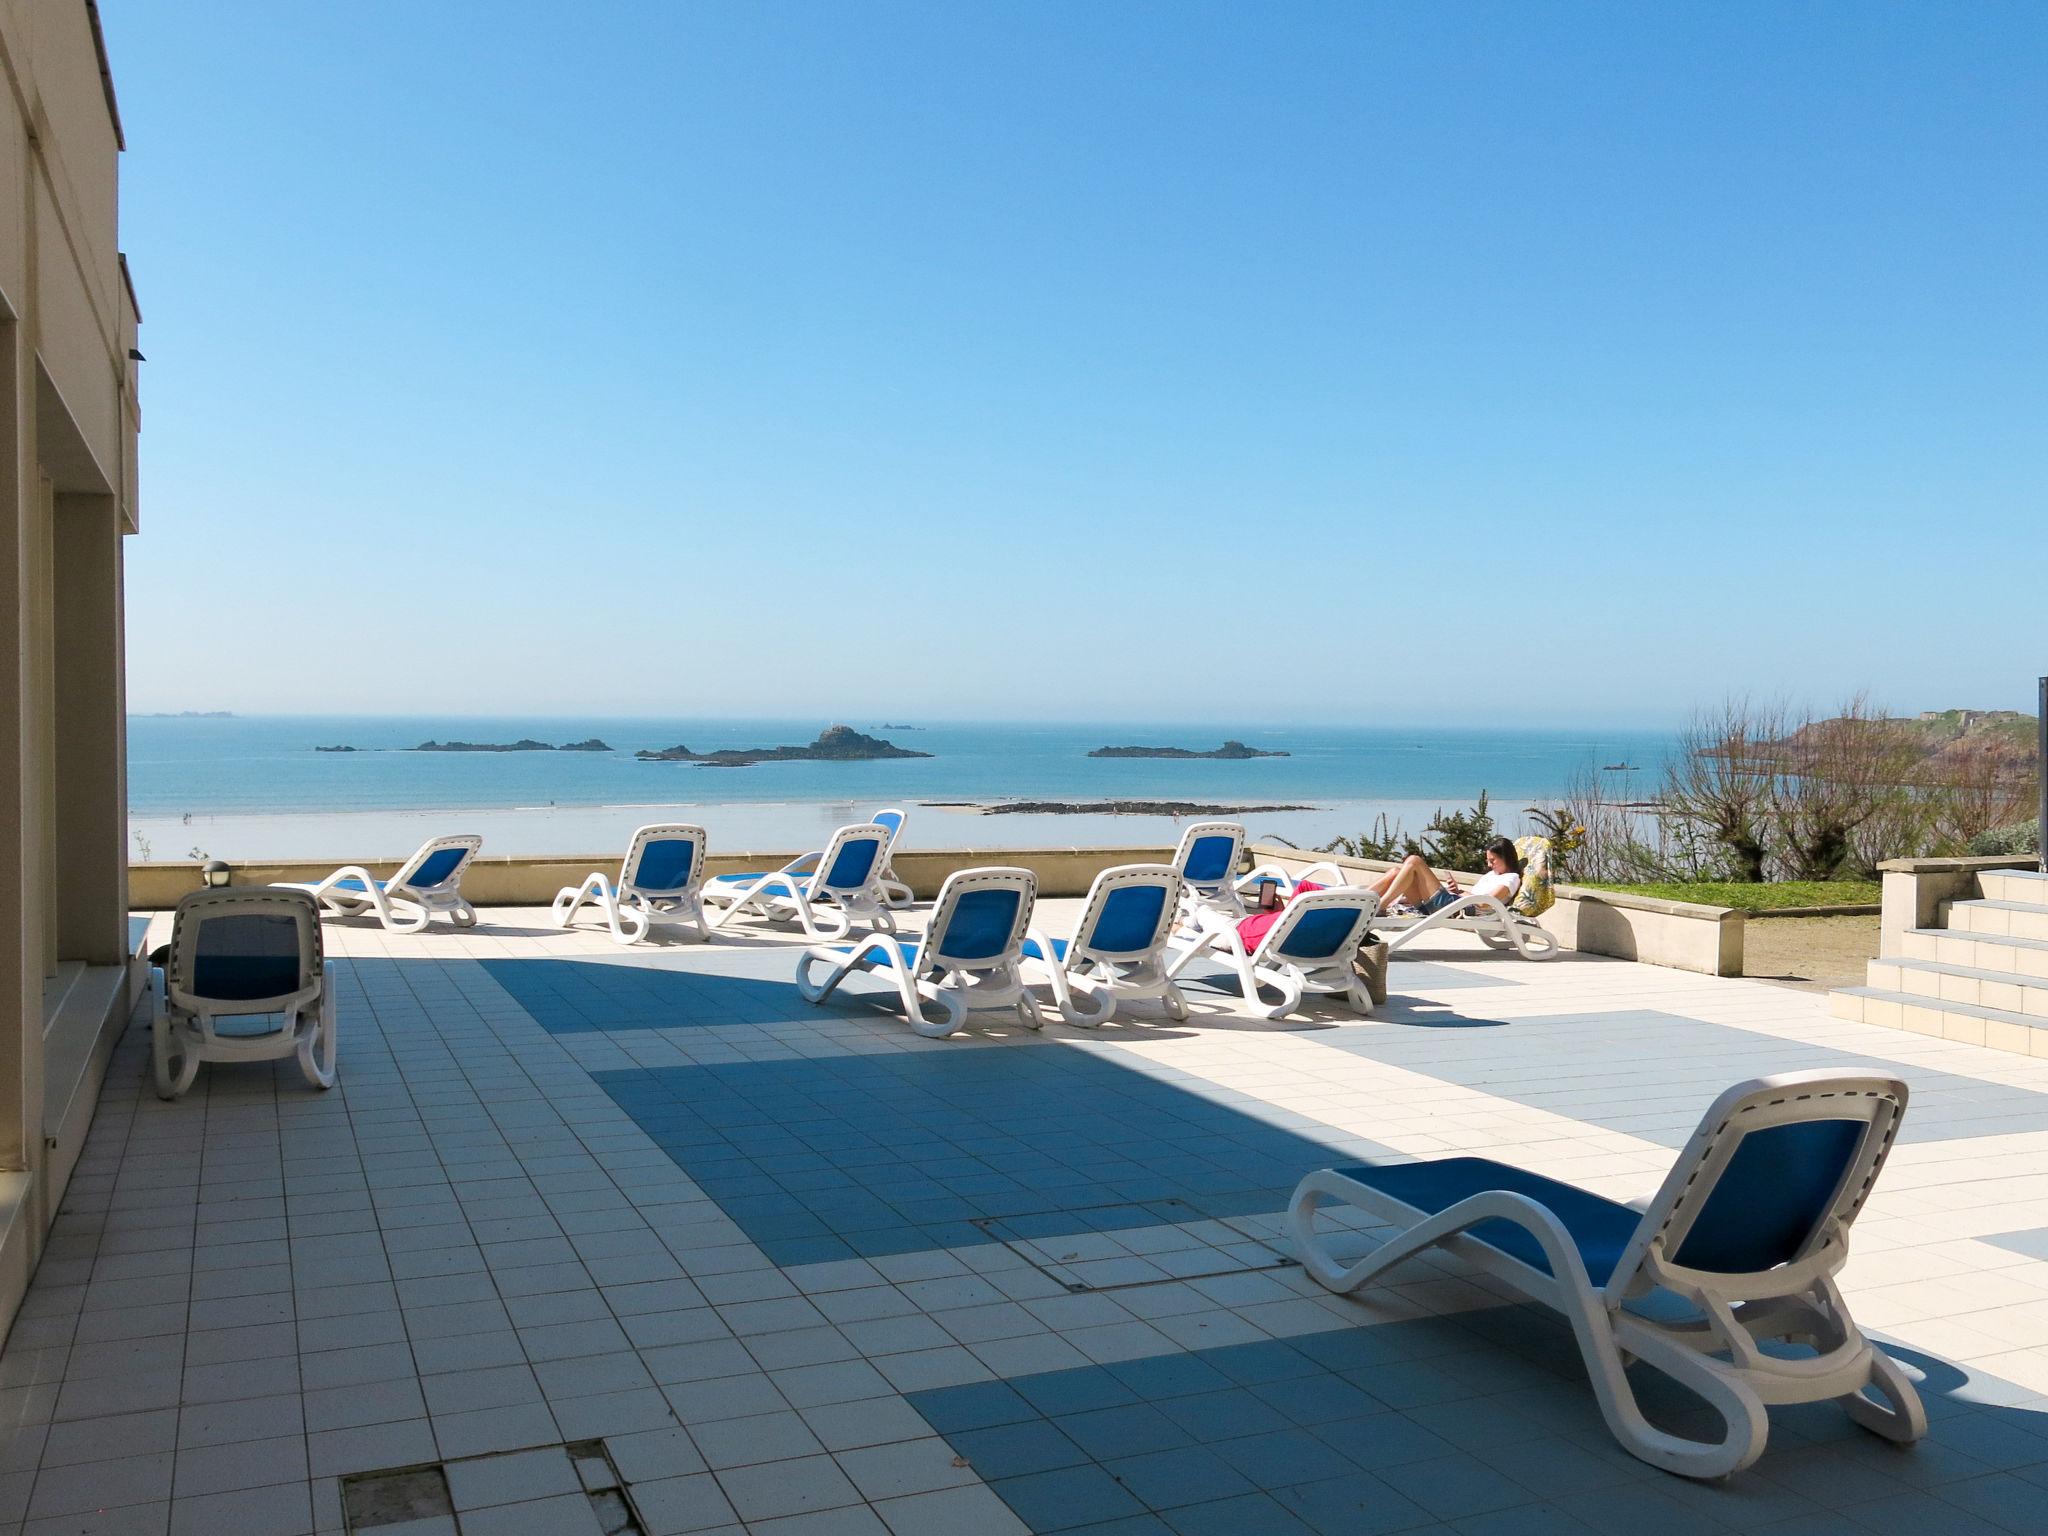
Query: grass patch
x=1766 y=897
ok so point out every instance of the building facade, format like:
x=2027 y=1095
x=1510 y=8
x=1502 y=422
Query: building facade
x=68 y=424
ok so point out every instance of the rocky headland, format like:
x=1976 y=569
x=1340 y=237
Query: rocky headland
x=835 y=744
x=1230 y=751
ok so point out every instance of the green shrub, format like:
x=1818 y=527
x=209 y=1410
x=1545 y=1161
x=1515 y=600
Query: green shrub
x=2021 y=837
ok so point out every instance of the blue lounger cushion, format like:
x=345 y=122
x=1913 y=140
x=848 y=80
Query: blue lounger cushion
x=1059 y=950
x=353 y=884
x=906 y=947
x=1599 y=1228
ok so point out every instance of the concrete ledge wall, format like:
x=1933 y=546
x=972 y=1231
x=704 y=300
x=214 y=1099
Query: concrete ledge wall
x=533 y=881
x=1914 y=890
x=1682 y=935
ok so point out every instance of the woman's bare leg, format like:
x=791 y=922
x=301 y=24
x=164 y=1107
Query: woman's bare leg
x=1412 y=881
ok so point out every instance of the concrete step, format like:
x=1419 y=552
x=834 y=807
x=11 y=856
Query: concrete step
x=1970 y=1023
x=1946 y=982
x=2018 y=919
x=2027 y=886
x=2025 y=958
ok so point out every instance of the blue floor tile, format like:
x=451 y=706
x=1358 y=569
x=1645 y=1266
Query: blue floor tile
x=1069 y=1497
x=1016 y=1450
x=908 y=1136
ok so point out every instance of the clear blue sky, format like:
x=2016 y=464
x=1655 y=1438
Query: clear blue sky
x=1357 y=362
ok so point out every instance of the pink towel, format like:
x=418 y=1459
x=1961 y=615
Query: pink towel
x=1254 y=928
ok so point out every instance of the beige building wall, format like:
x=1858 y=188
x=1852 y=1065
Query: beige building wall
x=68 y=423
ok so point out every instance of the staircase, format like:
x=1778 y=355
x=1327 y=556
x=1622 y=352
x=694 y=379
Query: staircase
x=1981 y=978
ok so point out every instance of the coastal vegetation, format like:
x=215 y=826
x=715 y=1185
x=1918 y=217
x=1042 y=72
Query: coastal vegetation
x=1179 y=809
x=836 y=743
x=1230 y=751
x=1760 y=809
x=1754 y=794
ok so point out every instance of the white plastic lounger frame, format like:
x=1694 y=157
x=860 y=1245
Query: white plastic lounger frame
x=242 y=954
x=1492 y=921
x=1495 y=924
x=659 y=881
x=968 y=959
x=427 y=884
x=1750 y=1227
x=1118 y=949
x=1206 y=862
x=1309 y=949
x=896 y=892
x=843 y=885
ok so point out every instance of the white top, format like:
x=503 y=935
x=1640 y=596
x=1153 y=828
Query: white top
x=1501 y=887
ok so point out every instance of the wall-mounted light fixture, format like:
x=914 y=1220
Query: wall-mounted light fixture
x=216 y=872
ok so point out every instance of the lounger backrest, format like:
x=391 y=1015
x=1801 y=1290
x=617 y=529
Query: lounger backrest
x=255 y=950
x=979 y=920
x=1320 y=927
x=1209 y=852
x=852 y=861
x=1778 y=1167
x=1129 y=912
x=439 y=863
x=891 y=821
x=664 y=860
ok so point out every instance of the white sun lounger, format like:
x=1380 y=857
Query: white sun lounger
x=896 y=893
x=1118 y=949
x=1493 y=922
x=242 y=954
x=1206 y=862
x=1750 y=1227
x=426 y=885
x=1310 y=949
x=968 y=959
x=1486 y=917
x=660 y=880
x=842 y=885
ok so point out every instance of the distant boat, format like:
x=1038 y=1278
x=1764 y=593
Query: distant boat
x=1618 y=768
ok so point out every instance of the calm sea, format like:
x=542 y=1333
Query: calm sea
x=257 y=786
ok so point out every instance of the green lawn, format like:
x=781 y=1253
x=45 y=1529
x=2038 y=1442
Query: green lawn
x=1756 y=898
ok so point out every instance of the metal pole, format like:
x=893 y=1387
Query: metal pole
x=2041 y=767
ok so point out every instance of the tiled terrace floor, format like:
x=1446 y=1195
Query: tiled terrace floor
x=803 y=1273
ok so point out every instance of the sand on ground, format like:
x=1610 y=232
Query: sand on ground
x=1814 y=954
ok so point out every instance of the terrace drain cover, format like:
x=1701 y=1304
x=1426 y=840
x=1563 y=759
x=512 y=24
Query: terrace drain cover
x=1120 y=1246
x=395 y=1497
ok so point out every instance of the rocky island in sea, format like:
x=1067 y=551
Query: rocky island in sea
x=336 y=749
x=523 y=744
x=1230 y=751
x=835 y=744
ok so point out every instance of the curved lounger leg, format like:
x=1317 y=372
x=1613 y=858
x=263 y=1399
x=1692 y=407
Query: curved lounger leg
x=1905 y=1419
x=1286 y=978
x=317 y=1048
x=745 y=899
x=808 y=913
x=569 y=899
x=951 y=1001
x=630 y=923
x=165 y=1063
x=1028 y=1013
x=388 y=908
x=1086 y=1006
x=462 y=914
x=1593 y=1327
x=840 y=967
